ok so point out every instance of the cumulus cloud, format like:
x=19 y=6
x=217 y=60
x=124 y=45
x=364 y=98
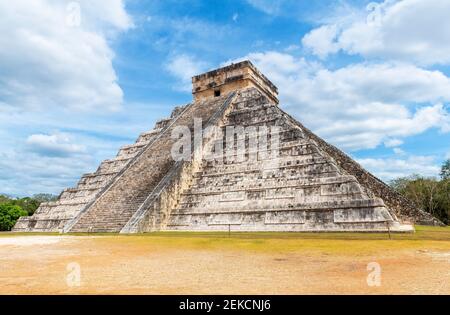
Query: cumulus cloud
x=55 y=68
x=54 y=145
x=408 y=30
x=391 y=143
x=399 y=151
x=362 y=105
x=305 y=10
x=322 y=40
x=56 y=54
x=267 y=6
x=388 y=169
x=184 y=67
x=27 y=174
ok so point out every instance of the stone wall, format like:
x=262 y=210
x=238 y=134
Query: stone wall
x=232 y=78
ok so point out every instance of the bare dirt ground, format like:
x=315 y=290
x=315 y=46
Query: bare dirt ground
x=189 y=263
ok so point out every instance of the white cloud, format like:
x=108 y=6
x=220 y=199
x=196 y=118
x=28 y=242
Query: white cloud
x=54 y=145
x=27 y=174
x=102 y=17
x=267 y=6
x=182 y=35
x=184 y=67
x=55 y=68
x=388 y=169
x=391 y=143
x=48 y=60
x=304 y=10
x=67 y=145
x=322 y=40
x=362 y=105
x=408 y=30
x=399 y=151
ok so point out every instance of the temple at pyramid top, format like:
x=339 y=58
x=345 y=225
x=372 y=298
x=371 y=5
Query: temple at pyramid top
x=237 y=76
x=307 y=185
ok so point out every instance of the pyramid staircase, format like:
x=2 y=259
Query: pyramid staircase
x=124 y=196
x=53 y=216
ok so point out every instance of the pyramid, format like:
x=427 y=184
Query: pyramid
x=243 y=164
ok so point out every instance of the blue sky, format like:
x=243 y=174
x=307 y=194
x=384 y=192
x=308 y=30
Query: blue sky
x=79 y=79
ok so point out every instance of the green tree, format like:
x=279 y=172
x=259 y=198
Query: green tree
x=9 y=214
x=28 y=204
x=445 y=170
x=4 y=199
x=429 y=194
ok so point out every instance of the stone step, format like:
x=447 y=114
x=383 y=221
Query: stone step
x=148 y=136
x=269 y=183
x=262 y=199
x=113 y=165
x=328 y=205
x=254 y=158
x=295 y=170
x=95 y=180
x=251 y=110
x=124 y=197
x=256 y=122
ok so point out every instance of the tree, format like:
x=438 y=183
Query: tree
x=429 y=194
x=29 y=204
x=13 y=208
x=4 y=199
x=9 y=214
x=445 y=170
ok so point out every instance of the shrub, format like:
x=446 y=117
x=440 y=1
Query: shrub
x=9 y=214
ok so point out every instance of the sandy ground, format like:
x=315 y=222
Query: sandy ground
x=219 y=265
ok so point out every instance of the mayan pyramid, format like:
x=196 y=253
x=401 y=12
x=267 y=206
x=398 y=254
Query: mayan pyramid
x=297 y=183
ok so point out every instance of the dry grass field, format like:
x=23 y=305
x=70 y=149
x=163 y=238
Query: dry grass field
x=216 y=263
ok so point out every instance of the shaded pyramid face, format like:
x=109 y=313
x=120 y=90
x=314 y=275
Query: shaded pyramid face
x=245 y=166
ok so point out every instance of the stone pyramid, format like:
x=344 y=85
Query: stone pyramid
x=291 y=181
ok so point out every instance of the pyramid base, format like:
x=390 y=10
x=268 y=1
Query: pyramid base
x=371 y=227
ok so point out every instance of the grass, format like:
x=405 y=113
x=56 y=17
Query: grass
x=422 y=233
x=344 y=243
x=354 y=244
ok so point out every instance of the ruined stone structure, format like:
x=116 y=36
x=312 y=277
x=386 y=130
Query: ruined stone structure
x=313 y=186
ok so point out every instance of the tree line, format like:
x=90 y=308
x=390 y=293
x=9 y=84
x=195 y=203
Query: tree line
x=11 y=209
x=428 y=193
